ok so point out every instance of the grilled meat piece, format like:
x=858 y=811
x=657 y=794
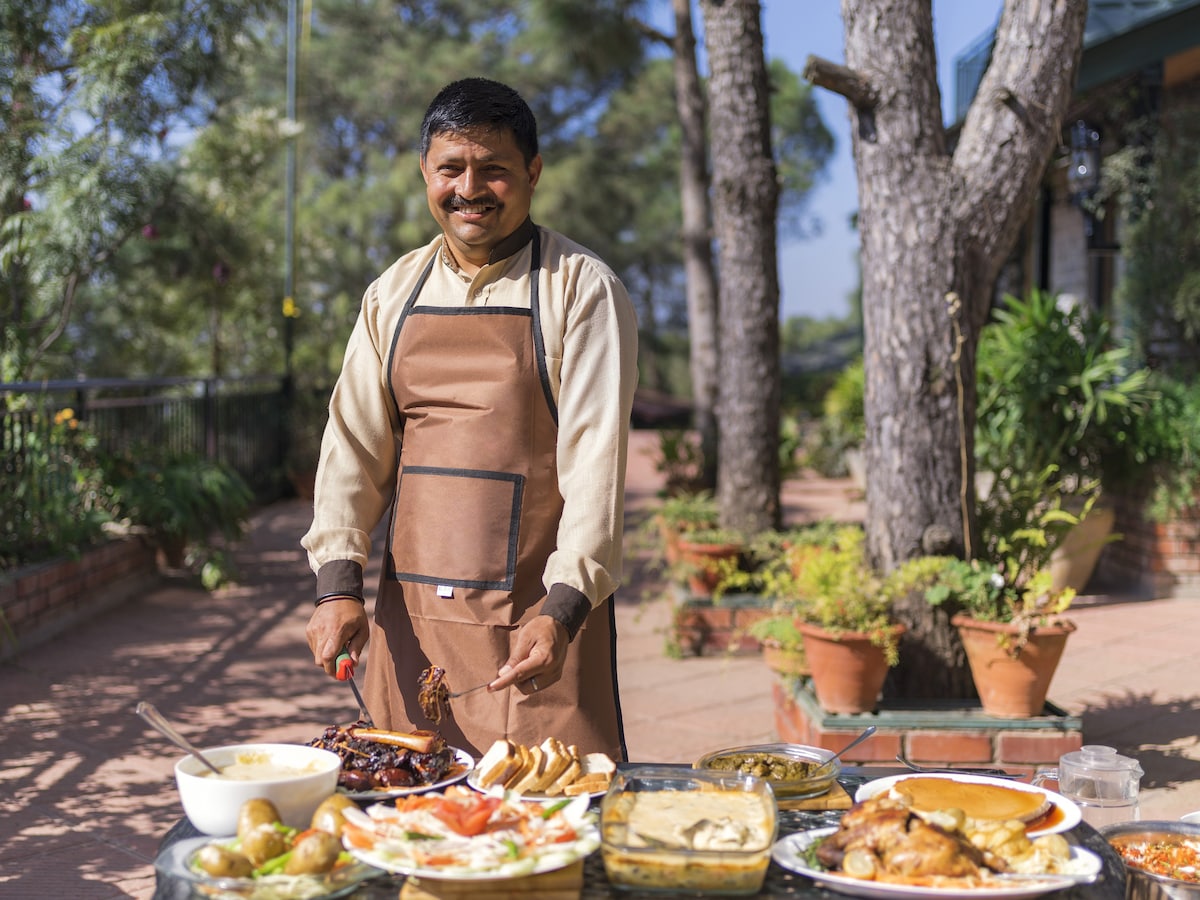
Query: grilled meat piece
x=373 y=759
x=433 y=695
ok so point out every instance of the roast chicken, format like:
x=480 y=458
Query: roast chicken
x=881 y=837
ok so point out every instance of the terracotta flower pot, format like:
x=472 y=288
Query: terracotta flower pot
x=1074 y=560
x=702 y=561
x=791 y=661
x=1008 y=686
x=848 y=671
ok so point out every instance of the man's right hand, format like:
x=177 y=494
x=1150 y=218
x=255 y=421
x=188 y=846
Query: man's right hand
x=337 y=624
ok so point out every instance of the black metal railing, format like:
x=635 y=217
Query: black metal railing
x=239 y=422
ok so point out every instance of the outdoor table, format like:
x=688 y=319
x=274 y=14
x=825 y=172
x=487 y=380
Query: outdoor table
x=779 y=882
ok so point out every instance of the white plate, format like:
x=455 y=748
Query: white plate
x=474 y=865
x=540 y=796
x=789 y=853
x=464 y=762
x=173 y=863
x=1068 y=814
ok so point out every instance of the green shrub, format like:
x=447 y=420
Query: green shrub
x=55 y=498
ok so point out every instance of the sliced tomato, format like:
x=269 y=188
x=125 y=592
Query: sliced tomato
x=467 y=815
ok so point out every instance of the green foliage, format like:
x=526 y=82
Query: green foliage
x=1158 y=455
x=979 y=589
x=679 y=462
x=93 y=96
x=55 y=496
x=820 y=575
x=1157 y=178
x=842 y=425
x=777 y=629
x=689 y=511
x=185 y=500
x=1055 y=395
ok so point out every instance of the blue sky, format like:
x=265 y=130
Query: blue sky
x=818 y=274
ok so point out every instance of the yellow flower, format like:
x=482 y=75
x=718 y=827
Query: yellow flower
x=64 y=415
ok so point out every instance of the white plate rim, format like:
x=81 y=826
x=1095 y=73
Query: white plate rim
x=173 y=860
x=1071 y=814
x=787 y=853
x=559 y=857
x=537 y=796
x=461 y=757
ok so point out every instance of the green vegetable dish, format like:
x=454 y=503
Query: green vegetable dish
x=766 y=765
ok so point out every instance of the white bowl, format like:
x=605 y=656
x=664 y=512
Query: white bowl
x=1192 y=818
x=212 y=802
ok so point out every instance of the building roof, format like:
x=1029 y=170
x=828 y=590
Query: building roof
x=1120 y=36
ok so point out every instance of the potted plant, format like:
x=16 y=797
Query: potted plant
x=771 y=561
x=1056 y=399
x=706 y=557
x=1012 y=630
x=679 y=513
x=843 y=610
x=183 y=503
x=782 y=643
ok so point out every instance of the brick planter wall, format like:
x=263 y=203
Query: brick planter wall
x=42 y=600
x=701 y=626
x=1156 y=559
x=950 y=734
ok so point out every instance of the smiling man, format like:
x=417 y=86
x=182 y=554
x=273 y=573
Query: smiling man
x=484 y=404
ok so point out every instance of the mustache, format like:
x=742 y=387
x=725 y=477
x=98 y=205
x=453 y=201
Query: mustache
x=457 y=202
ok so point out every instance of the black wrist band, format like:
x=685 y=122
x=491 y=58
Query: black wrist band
x=329 y=597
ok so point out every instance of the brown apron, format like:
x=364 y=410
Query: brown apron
x=474 y=520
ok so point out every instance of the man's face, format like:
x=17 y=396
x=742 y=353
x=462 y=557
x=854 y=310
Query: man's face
x=479 y=190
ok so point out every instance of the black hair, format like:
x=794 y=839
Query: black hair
x=475 y=103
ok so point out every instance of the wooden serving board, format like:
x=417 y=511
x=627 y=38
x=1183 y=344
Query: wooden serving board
x=561 y=884
x=835 y=798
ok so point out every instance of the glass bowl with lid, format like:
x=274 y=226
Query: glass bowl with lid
x=794 y=771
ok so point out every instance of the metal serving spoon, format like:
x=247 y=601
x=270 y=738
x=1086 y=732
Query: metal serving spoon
x=867 y=732
x=935 y=770
x=158 y=722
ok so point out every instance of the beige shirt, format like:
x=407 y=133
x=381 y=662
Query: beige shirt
x=590 y=334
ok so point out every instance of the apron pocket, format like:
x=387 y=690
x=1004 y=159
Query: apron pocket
x=456 y=527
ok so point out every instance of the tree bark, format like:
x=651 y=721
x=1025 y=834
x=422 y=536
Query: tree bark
x=697 y=241
x=935 y=229
x=936 y=226
x=745 y=201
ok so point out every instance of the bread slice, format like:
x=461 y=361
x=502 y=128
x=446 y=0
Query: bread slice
x=532 y=773
x=555 y=762
x=497 y=764
x=598 y=763
x=587 y=784
x=520 y=768
x=573 y=770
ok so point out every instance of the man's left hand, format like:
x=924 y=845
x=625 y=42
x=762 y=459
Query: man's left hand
x=537 y=659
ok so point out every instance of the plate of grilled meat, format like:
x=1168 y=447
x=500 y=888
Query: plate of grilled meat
x=378 y=764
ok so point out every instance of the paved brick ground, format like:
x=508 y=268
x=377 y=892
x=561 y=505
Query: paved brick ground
x=86 y=790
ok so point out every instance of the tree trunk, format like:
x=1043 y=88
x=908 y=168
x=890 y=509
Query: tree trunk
x=935 y=229
x=745 y=199
x=697 y=241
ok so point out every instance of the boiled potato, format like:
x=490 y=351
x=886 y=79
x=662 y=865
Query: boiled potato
x=221 y=862
x=263 y=843
x=314 y=854
x=255 y=812
x=328 y=816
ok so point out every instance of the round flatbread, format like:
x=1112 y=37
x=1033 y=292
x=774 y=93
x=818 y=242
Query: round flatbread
x=978 y=801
